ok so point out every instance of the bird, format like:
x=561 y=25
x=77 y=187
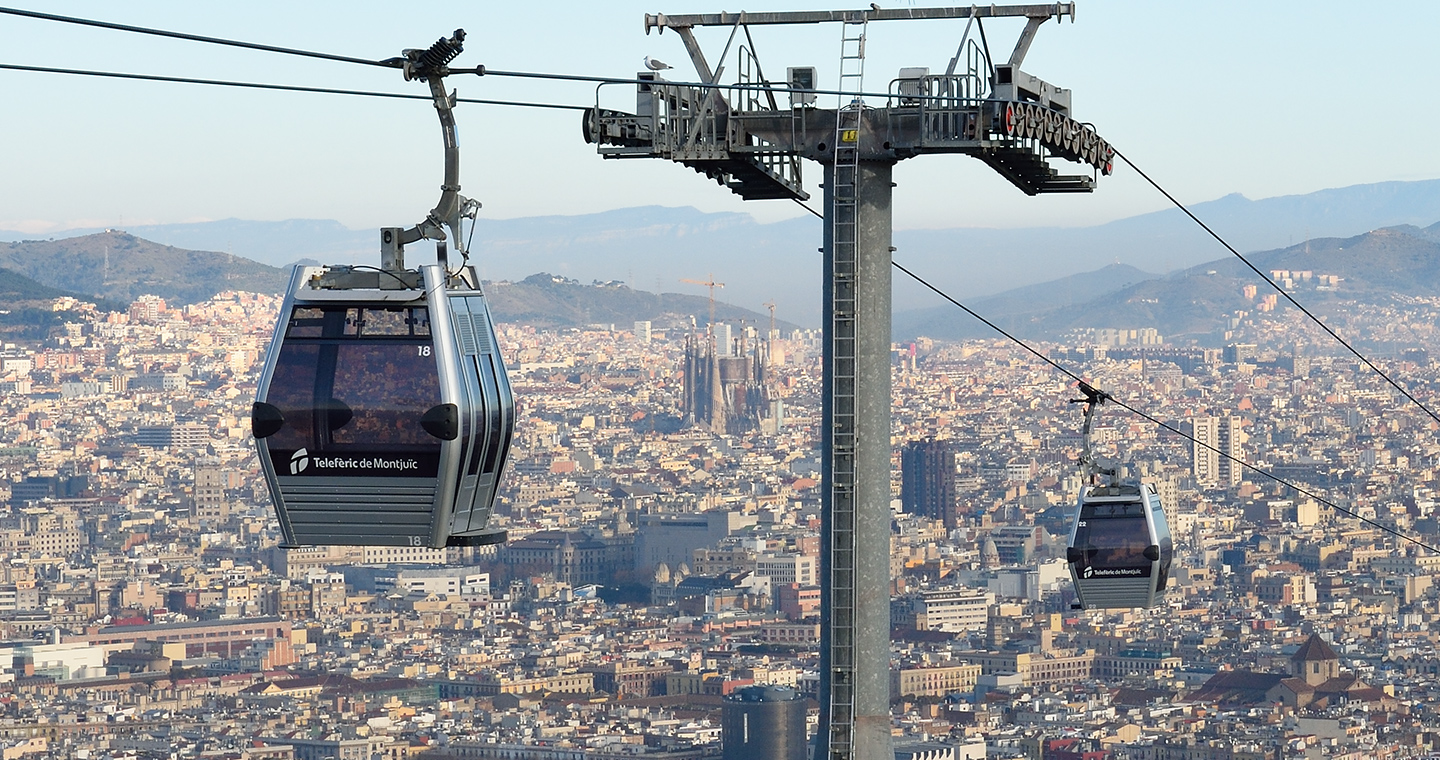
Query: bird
x=655 y=64
x=874 y=6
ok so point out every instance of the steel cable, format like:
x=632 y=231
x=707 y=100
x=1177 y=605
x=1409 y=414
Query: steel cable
x=194 y=37
x=1147 y=417
x=280 y=87
x=1279 y=289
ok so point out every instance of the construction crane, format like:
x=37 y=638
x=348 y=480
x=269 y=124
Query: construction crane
x=712 y=285
x=771 y=306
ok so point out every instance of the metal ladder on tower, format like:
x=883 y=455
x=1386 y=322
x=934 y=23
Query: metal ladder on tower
x=844 y=258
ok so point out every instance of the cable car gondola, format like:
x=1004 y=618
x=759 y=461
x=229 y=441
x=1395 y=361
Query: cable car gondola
x=383 y=415
x=1120 y=547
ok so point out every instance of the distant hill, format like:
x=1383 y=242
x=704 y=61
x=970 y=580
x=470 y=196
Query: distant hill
x=120 y=267
x=25 y=312
x=278 y=244
x=546 y=300
x=1403 y=259
x=1194 y=302
x=16 y=287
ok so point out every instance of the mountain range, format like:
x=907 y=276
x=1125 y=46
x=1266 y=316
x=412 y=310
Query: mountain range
x=653 y=248
x=756 y=259
x=1190 y=303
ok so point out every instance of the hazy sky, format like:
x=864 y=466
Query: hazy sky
x=1210 y=97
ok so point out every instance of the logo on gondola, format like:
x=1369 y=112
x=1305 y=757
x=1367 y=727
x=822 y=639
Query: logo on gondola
x=1117 y=572
x=308 y=463
x=299 y=461
x=1089 y=571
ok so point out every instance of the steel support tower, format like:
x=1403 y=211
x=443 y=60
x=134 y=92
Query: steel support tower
x=740 y=136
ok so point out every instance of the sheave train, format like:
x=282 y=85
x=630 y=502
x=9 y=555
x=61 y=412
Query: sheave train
x=384 y=415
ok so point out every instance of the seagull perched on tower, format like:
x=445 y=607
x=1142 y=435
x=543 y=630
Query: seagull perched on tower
x=655 y=64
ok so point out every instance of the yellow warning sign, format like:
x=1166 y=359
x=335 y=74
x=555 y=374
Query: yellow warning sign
x=849 y=135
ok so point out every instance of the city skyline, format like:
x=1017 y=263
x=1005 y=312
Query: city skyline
x=656 y=568
x=681 y=573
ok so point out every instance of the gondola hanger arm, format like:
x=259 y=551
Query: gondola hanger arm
x=1094 y=397
x=429 y=66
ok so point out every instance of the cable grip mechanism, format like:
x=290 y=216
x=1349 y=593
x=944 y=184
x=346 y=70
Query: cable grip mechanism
x=423 y=64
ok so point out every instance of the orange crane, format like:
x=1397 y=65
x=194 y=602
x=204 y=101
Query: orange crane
x=712 y=285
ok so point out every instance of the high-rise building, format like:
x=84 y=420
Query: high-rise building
x=1213 y=436
x=189 y=436
x=1299 y=363
x=642 y=330
x=1167 y=487
x=212 y=508
x=1231 y=472
x=1236 y=353
x=724 y=338
x=927 y=486
x=1205 y=463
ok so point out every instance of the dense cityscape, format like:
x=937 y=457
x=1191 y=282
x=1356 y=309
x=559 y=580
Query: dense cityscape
x=663 y=555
